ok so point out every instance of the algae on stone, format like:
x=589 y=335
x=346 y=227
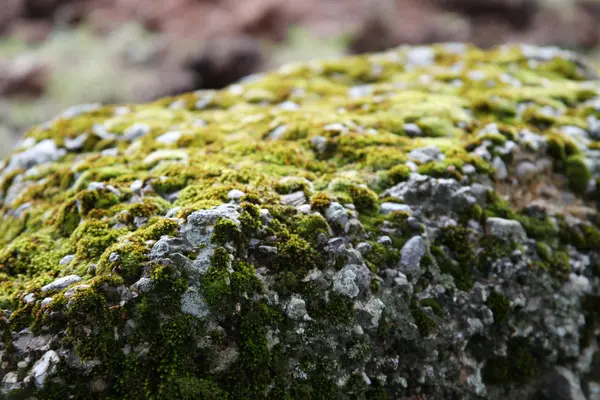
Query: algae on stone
x=254 y=242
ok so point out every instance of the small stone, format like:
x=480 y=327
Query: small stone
x=43 y=366
x=66 y=259
x=289 y=106
x=29 y=298
x=501 y=172
x=506 y=229
x=294 y=199
x=389 y=207
x=412 y=130
x=370 y=312
x=468 y=169
x=385 y=240
x=319 y=143
x=423 y=155
x=47 y=301
x=10 y=378
x=561 y=383
x=304 y=208
x=364 y=248
x=296 y=309
x=143 y=285
x=526 y=171
x=169 y=137
x=412 y=252
x=337 y=214
x=278 y=132
x=76 y=143
x=401 y=280
x=136 y=185
x=235 y=195
x=61 y=283
x=193 y=303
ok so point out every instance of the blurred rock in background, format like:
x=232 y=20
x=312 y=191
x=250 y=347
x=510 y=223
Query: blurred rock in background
x=56 y=53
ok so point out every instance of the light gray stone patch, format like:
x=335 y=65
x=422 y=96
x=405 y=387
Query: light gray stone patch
x=579 y=135
x=385 y=240
x=532 y=141
x=43 y=367
x=296 y=309
x=29 y=298
x=192 y=303
x=319 y=143
x=294 y=199
x=235 y=195
x=143 y=285
x=67 y=259
x=43 y=152
x=73 y=291
x=61 y=283
x=420 y=56
x=112 y=152
x=361 y=91
x=46 y=301
x=364 y=248
x=412 y=252
x=526 y=171
x=169 y=137
x=136 y=185
x=370 y=312
x=501 y=172
x=344 y=282
x=412 y=130
x=199 y=226
x=102 y=132
x=423 y=155
x=289 y=106
x=76 y=143
x=389 y=207
x=337 y=214
x=506 y=229
x=278 y=132
x=80 y=109
x=561 y=383
x=202 y=262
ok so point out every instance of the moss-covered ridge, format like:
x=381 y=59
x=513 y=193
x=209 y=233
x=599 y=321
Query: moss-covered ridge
x=299 y=233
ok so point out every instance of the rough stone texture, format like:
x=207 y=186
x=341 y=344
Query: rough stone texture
x=346 y=257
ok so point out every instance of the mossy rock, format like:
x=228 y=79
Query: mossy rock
x=418 y=223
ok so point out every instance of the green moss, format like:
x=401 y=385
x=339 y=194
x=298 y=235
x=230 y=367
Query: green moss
x=310 y=226
x=225 y=230
x=424 y=322
x=520 y=365
x=364 y=199
x=500 y=307
x=320 y=201
x=544 y=251
x=578 y=173
x=337 y=147
x=460 y=259
x=437 y=308
x=92 y=237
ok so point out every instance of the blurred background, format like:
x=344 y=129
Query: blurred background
x=57 y=53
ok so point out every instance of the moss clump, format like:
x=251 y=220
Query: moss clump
x=320 y=201
x=364 y=199
x=520 y=365
x=578 y=173
x=424 y=322
x=500 y=307
x=459 y=259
